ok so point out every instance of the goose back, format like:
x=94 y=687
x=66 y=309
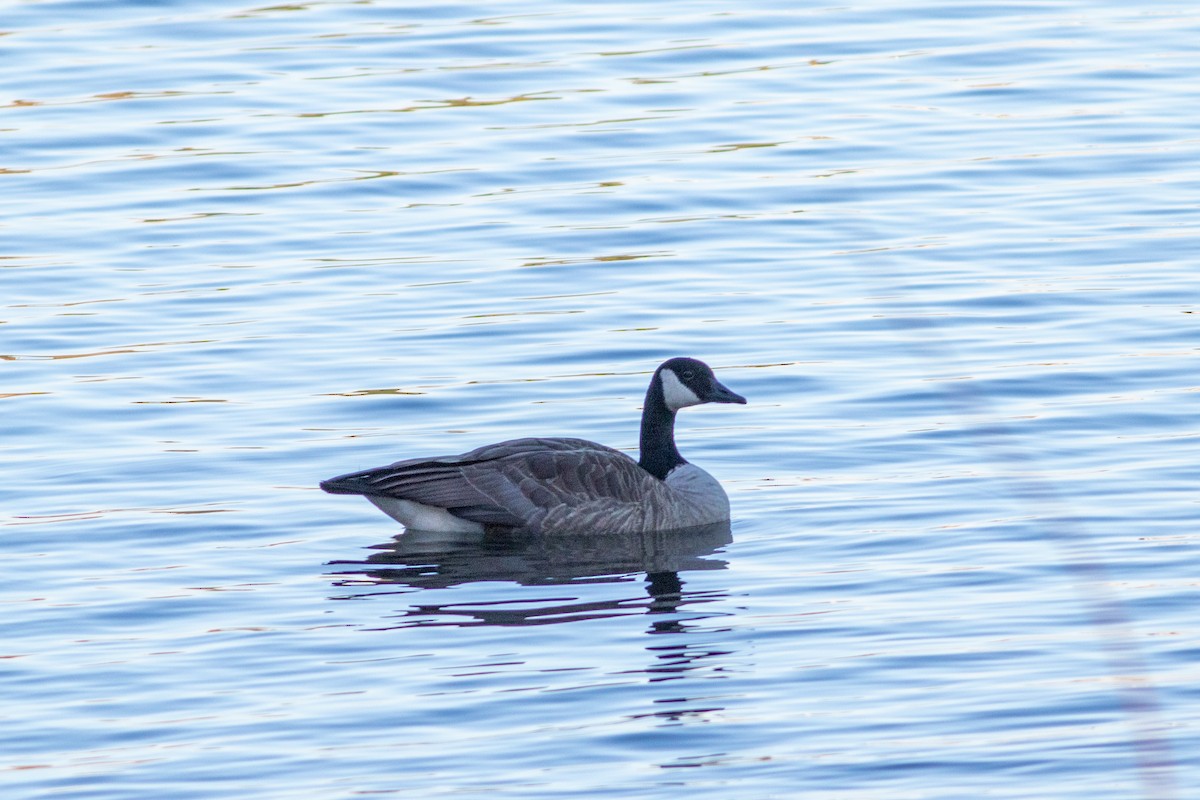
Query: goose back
x=541 y=485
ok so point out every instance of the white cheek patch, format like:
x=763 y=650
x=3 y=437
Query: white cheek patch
x=675 y=394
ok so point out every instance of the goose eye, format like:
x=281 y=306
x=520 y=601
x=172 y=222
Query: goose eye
x=688 y=375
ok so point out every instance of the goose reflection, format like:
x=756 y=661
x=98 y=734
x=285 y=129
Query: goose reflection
x=593 y=566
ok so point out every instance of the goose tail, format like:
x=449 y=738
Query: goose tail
x=350 y=483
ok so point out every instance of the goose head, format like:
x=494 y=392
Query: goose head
x=688 y=382
x=677 y=383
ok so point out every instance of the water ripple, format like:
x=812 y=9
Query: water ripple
x=946 y=251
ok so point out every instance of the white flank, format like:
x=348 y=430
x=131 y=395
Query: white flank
x=421 y=517
x=675 y=394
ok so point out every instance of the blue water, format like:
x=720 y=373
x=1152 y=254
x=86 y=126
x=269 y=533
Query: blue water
x=947 y=252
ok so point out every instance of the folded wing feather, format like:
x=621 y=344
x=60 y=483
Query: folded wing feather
x=534 y=483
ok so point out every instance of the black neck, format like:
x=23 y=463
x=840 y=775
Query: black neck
x=659 y=454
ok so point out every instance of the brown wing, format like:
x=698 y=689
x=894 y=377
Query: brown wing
x=536 y=483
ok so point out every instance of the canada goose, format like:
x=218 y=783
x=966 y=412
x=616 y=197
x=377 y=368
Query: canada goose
x=552 y=485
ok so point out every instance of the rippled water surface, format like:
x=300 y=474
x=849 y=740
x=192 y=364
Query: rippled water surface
x=948 y=251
